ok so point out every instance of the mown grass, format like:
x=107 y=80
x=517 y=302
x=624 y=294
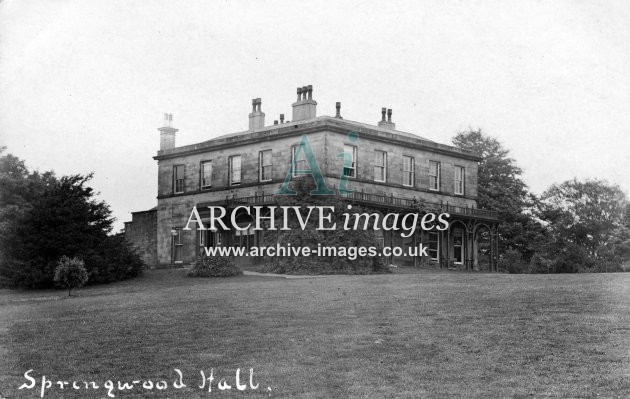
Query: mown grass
x=386 y=336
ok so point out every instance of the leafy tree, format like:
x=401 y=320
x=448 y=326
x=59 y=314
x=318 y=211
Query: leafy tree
x=18 y=189
x=589 y=217
x=48 y=217
x=501 y=188
x=70 y=273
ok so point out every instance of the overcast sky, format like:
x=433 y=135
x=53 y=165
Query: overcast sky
x=84 y=84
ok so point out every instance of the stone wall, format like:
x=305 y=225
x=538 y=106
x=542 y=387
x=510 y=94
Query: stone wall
x=141 y=233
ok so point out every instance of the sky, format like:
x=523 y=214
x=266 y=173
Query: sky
x=84 y=84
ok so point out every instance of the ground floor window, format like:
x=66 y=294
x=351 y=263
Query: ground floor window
x=458 y=245
x=178 y=245
x=434 y=245
x=245 y=238
x=209 y=238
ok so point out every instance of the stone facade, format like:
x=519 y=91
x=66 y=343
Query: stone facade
x=141 y=232
x=327 y=137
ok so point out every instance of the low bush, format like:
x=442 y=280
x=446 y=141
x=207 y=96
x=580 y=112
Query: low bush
x=215 y=266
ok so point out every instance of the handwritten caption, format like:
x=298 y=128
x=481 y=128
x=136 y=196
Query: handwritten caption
x=206 y=382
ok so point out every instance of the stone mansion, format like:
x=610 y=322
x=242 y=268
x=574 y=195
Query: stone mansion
x=387 y=170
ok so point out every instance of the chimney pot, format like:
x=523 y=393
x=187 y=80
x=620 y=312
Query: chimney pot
x=257 y=117
x=275 y=122
x=338 y=107
x=305 y=107
x=167 y=133
x=387 y=124
x=281 y=118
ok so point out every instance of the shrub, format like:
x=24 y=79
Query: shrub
x=215 y=266
x=539 y=264
x=112 y=260
x=571 y=259
x=70 y=273
x=512 y=262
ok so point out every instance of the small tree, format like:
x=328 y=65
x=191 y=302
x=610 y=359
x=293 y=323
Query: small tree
x=70 y=273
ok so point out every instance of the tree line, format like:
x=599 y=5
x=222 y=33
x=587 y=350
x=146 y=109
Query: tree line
x=573 y=226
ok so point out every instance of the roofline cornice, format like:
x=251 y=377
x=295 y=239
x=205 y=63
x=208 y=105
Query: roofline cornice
x=314 y=126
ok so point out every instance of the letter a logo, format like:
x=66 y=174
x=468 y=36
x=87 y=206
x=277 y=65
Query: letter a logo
x=305 y=148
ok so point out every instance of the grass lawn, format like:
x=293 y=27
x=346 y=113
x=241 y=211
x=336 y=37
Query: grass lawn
x=387 y=336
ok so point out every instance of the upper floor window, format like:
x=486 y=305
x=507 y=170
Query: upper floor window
x=299 y=162
x=434 y=175
x=234 y=170
x=265 y=166
x=206 y=174
x=351 y=170
x=408 y=171
x=459 y=180
x=178 y=178
x=380 y=165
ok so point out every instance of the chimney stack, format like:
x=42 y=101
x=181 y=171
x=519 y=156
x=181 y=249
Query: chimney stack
x=305 y=107
x=257 y=117
x=338 y=107
x=387 y=124
x=167 y=133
